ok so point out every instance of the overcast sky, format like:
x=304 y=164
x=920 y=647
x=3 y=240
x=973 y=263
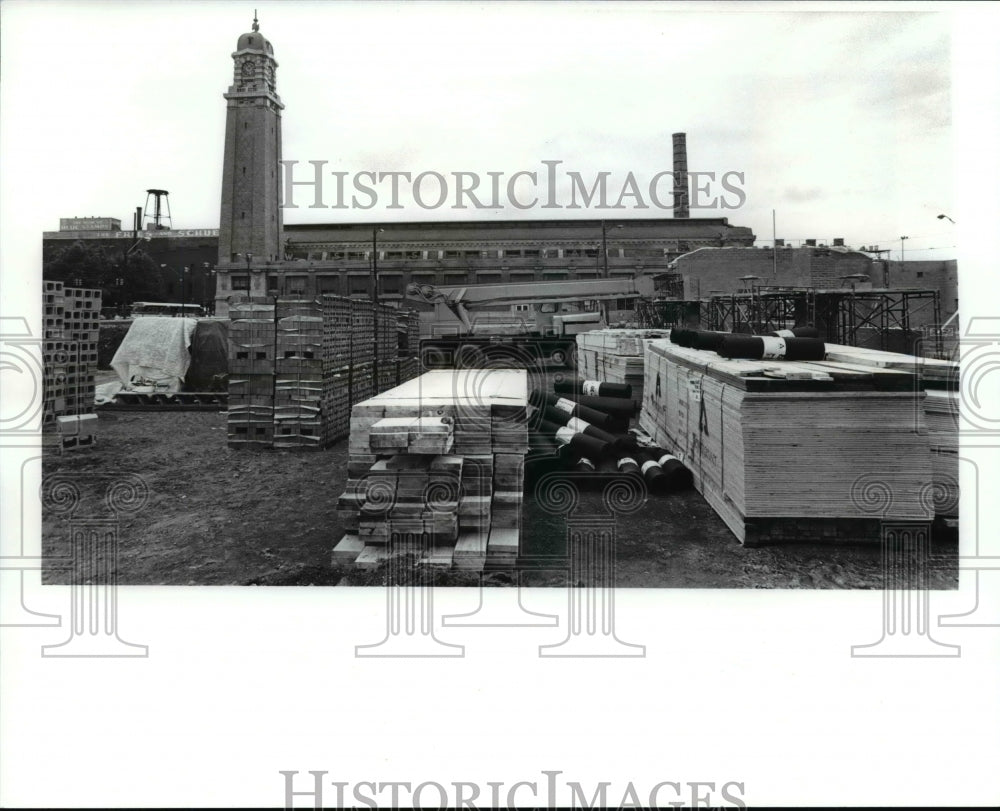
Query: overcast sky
x=840 y=121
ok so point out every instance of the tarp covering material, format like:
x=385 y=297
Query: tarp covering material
x=154 y=354
x=209 y=357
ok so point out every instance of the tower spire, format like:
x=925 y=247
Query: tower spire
x=256 y=26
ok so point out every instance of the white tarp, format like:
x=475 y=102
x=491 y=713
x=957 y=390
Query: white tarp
x=154 y=354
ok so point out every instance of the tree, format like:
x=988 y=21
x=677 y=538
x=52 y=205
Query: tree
x=121 y=278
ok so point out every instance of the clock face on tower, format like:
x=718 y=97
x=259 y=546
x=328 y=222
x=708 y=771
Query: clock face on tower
x=248 y=68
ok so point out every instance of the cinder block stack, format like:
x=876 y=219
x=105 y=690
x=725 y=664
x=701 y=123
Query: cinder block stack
x=408 y=333
x=337 y=322
x=69 y=352
x=387 y=348
x=436 y=467
x=362 y=351
x=298 y=368
x=252 y=348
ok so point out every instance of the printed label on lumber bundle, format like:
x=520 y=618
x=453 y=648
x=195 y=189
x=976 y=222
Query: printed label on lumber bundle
x=577 y=425
x=647 y=466
x=774 y=348
x=565 y=405
x=591 y=388
x=564 y=435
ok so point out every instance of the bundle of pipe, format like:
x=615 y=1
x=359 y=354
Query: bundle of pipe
x=593 y=388
x=698 y=339
x=663 y=471
x=796 y=332
x=754 y=347
x=572 y=408
x=579 y=442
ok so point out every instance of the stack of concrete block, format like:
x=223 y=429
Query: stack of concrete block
x=408 y=333
x=362 y=350
x=298 y=366
x=252 y=349
x=69 y=351
x=337 y=321
x=465 y=433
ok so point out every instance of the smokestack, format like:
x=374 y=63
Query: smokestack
x=680 y=177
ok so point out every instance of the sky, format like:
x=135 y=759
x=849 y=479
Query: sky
x=839 y=122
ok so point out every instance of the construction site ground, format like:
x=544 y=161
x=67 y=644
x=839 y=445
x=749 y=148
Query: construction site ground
x=217 y=516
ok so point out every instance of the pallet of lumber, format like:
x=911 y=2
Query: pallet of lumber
x=436 y=468
x=787 y=450
x=615 y=355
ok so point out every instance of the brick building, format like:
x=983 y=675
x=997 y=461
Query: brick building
x=710 y=270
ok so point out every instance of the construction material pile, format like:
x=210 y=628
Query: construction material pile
x=792 y=450
x=69 y=349
x=615 y=355
x=584 y=426
x=297 y=366
x=436 y=469
x=939 y=380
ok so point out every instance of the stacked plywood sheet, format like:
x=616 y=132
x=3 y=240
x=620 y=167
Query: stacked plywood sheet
x=941 y=412
x=791 y=451
x=939 y=379
x=69 y=351
x=615 y=355
x=436 y=467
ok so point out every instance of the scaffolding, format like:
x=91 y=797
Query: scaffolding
x=904 y=320
x=666 y=313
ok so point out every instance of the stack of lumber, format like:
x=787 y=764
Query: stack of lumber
x=939 y=379
x=69 y=349
x=779 y=448
x=615 y=355
x=436 y=468
x=941 y=411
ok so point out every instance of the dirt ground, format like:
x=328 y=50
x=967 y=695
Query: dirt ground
x=217 y=516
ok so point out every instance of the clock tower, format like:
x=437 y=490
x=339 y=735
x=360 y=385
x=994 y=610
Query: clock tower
x=250 y=224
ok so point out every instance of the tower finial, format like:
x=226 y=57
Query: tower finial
x=256 y=27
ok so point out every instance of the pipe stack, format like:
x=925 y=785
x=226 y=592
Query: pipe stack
x=589 y=433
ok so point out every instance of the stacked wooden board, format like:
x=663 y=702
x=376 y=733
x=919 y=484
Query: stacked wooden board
x=436 y=468
x=791 y=450
x=69 y=349
x=296 y=366
x=615 y=355
x=939 y=379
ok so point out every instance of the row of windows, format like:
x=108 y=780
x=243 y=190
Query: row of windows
x=506 y=253
x=349 y=284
